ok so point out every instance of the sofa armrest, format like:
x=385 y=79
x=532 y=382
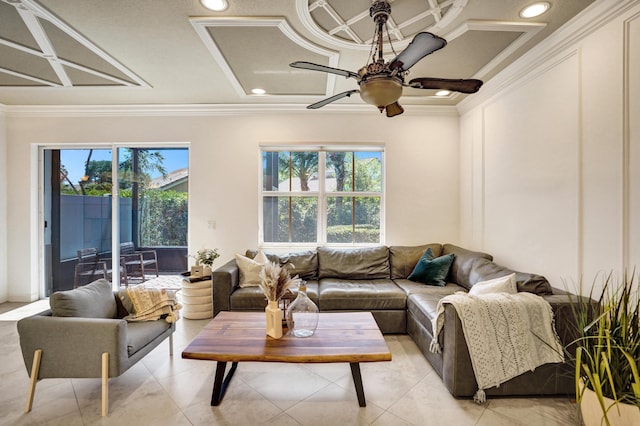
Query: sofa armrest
x=565 y=307
x=457 y=370
x=225 y=280
x=72 y=346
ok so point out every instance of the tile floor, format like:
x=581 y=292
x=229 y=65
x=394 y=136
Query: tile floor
x=161 y=390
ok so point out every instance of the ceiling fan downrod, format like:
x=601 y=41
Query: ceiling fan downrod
x=379 y=12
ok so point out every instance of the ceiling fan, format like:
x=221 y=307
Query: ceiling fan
x=381 y=82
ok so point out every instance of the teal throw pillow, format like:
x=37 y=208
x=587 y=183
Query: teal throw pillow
x=432 y=270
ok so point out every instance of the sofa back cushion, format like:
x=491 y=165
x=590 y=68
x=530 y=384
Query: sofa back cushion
x=305 y=263
x=94 y=300
x=484 y=269
x=360 y=263
x=462 y=265
x=403 y=259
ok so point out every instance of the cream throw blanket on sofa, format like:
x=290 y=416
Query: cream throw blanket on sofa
x=150 y=304
x=507 y=335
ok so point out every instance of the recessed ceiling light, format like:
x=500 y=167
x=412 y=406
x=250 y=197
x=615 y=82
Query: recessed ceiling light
x=258 y=91
x=535 y=9
x=215 y=5
x=443 y=93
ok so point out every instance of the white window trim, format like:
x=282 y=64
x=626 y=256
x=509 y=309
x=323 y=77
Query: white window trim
x=321 y=194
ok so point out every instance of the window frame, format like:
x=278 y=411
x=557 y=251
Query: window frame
x=321 y=194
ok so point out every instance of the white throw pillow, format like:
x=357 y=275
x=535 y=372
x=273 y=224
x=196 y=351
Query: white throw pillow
x=250 y=268
x=506 y=284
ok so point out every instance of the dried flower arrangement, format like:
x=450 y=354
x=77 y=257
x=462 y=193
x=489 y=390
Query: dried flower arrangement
x=275 y=281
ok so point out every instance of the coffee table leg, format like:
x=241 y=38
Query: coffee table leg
x=357 y=381
x=220 y=382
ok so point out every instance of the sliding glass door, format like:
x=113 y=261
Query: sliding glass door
x=79 y=221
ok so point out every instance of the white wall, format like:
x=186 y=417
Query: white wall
x=550 y=159
x=421 y=170
x=4 y=290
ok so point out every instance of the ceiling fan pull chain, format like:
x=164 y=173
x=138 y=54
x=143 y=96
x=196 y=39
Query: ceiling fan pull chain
x=386 y=27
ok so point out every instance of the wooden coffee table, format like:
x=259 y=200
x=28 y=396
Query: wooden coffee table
x=352 y=337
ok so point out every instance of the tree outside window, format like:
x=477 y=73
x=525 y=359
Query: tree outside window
x=321 y=196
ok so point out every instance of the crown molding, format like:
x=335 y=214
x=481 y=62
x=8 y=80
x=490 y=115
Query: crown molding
x=211 y=110
x=557 y=44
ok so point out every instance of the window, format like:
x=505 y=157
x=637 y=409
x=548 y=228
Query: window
x=321 y=196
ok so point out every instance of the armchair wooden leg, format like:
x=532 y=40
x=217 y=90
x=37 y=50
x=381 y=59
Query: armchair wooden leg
x=171 y=344
x=35 y=368
x=105 y=383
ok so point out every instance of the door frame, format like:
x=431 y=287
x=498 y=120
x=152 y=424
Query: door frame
x=37 y=215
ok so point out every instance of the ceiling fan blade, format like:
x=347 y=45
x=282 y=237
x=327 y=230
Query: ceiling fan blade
x=464 y=86
x=333 y=98
x=422 y=44
x=316 y=67
x=394 y=109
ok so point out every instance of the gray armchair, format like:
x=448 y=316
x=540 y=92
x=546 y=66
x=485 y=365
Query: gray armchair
x=83 y=336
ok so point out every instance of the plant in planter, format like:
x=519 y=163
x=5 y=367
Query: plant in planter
x=206 y=257
x=607 y=355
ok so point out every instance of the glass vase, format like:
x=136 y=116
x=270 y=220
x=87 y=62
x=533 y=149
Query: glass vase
x=302 y=314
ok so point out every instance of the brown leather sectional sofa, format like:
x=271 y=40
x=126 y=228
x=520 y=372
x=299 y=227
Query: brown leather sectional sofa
x=375 y=279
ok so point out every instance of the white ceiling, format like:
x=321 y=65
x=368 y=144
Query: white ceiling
x=174 y=52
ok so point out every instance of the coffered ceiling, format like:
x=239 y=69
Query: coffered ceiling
x=137 y=52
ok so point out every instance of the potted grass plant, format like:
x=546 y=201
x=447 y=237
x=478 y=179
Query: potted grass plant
x=607 y=353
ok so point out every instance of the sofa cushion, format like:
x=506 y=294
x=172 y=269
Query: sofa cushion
x=412 y=287
x=484 y=269
x=305 y=263
x=361 y=263
x=424 y=307
x=404 y=258
x=94 y=300
x=506 y=284
x=250 y=269
x=342 y=294
x=432 y=270
x=141 y=333
x=462 y=264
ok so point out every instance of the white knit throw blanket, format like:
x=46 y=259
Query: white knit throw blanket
x=507 y=335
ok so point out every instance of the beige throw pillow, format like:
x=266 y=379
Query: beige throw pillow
x=250 y=269
x=506 y=284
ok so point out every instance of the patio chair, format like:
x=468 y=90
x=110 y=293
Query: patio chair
x=137 y=261
x=90 y=268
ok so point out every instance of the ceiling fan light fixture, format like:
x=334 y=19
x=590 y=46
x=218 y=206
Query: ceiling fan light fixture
x=380 y=92
x=215 y=5
x=535 y=9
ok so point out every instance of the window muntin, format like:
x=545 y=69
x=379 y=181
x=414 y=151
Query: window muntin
x=322 y=196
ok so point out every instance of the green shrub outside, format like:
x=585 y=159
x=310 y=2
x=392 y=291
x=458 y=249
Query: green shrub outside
x=163 y=218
